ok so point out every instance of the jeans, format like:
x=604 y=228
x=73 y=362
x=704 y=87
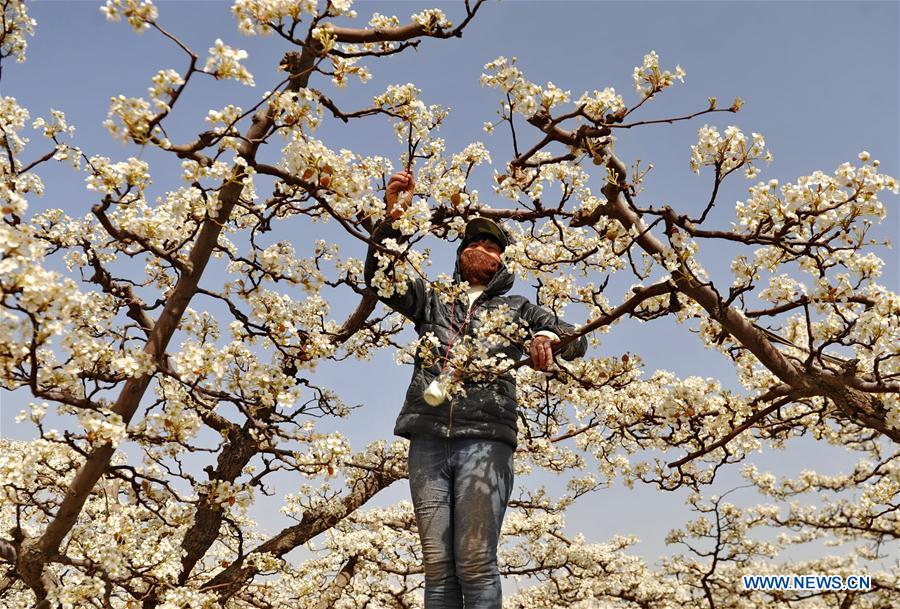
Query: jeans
x=460 y=489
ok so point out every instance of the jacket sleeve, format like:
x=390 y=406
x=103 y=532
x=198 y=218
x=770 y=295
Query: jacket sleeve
x=542 y=320
x=411 y=303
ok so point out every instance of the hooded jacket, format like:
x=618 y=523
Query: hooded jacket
x=488 y=410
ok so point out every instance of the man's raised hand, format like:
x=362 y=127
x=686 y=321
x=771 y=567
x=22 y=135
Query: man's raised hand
x=400 y=182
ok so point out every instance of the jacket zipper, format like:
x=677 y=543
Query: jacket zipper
x=450 y=429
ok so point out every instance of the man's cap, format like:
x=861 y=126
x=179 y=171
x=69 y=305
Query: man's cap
x=481 y=228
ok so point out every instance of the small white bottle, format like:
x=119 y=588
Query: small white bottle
x=436 y=392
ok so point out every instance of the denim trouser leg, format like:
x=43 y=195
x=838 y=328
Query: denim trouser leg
x=460 y=489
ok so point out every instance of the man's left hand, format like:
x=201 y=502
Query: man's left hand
x=541 y=352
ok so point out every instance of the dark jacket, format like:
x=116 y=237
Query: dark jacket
x=489 y=408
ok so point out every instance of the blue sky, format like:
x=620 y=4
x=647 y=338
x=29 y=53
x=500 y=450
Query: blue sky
x=820 y=81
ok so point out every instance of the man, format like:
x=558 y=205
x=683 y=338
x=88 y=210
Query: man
x=461 y=447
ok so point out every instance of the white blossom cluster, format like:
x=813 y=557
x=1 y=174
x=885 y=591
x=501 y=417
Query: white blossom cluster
x=324 y=455
x=129 y=119
x=280 y=262
x=600 y=103
x=102 y=427
x=396 y=280
x=15 y=184
x=821 y=221
x=138 y=13
x=343 y=179
x=224 y=493
x=187 y=598
x=817 y=202
x=257 y=16
x=297 y=110
x=503 y=74
x=17 y=24
x=176 y=423
x=377 y=20
x=111 y=178
x=445 y=179
x=729 y=151
x=56 y=126
x=410 y=111
x=573 y=573
x=236 y=368
x=165 y=83
x=539 y=255
x=342 y=66
x=649 y=79
x=224 y=62
x=222 y=123
x=432 y=19
x=342 y=7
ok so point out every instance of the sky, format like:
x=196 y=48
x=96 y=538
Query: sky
x=819 y=80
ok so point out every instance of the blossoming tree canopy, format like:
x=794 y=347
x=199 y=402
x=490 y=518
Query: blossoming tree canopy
x=177 y=338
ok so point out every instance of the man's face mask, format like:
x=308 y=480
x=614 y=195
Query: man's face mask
x=479 y=261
